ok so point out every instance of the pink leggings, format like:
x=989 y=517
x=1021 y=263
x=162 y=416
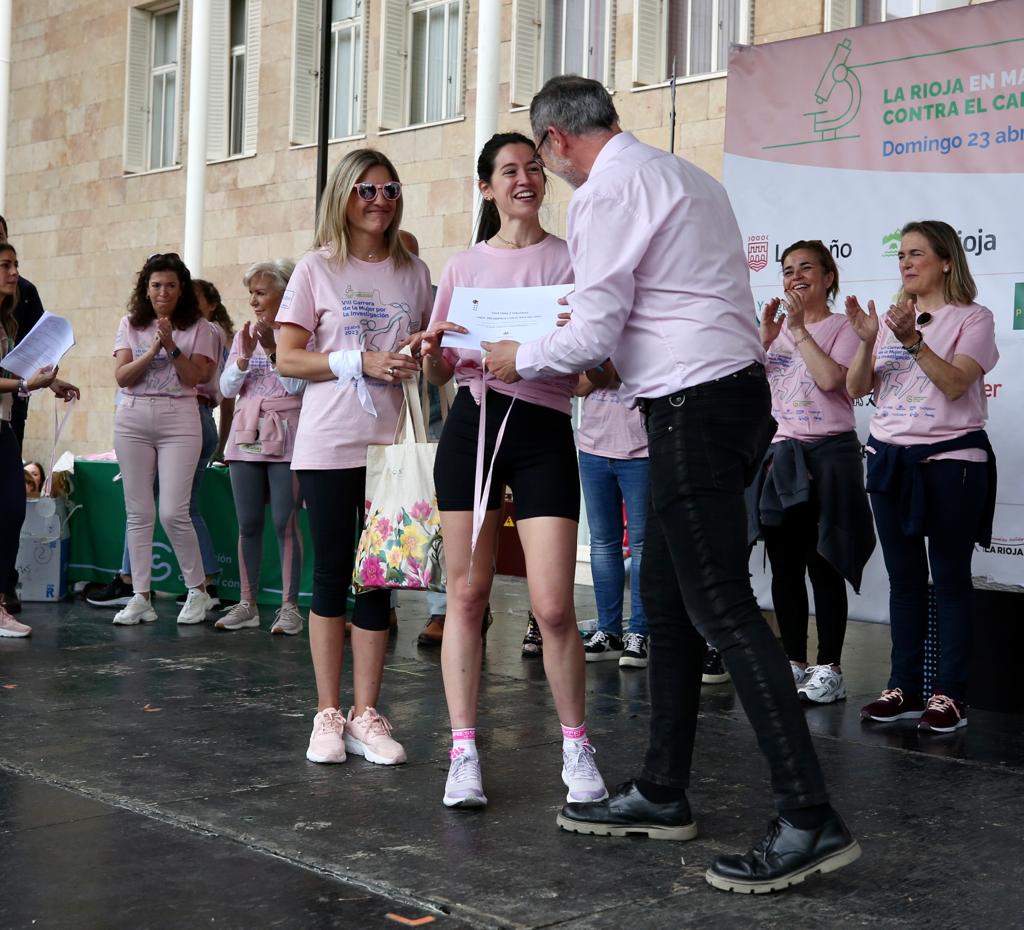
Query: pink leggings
x=159 y=435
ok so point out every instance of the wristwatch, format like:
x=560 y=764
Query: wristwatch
x=273 y=359
x=23 y=390
x=915 y=349
x=175 y=352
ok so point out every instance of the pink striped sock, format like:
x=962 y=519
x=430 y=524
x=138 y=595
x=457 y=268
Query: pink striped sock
x=463 y=742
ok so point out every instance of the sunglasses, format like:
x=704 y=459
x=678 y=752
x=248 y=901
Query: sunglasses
x=174 y=256
x=392 y=190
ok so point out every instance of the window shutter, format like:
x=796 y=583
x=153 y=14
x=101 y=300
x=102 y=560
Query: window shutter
x=526 y=51
x=393 y=58
x=184 y=23
x=304 y=72
x=253 y=30
x=136 y=96
x=609 y=63
x=648 y=42
x=217 y=98
x=840 y=14
x=463 y=58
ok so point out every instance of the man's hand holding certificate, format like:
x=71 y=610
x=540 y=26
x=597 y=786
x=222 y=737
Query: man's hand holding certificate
x=491 y=314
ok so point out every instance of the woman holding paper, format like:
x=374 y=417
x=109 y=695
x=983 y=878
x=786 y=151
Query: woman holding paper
x=163 y=349
x=12 y=475
x=528 y=442
x=351 y=304
x=259 y=451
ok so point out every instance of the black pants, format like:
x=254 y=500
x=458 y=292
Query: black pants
x=955 y=495
x=793 y=552
x=19 y=412
x=12 y=502
x=705 y=445
x=335 y=501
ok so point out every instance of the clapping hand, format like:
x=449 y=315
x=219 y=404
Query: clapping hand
x=264 y=333
x=902 y=320
x=865 y=325
x=164 y=333
x=771 y=322
x=247 y=340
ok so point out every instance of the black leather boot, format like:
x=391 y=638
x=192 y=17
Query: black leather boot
x=628 y=811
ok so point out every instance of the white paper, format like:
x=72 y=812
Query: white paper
x=46 y=344
x=495 y=313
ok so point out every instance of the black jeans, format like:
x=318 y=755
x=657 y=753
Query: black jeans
x=12 y=502
x=705 y=446
x=793 y=552
x=955 y=495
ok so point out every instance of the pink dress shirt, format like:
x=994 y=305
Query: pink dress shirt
x=662 y=285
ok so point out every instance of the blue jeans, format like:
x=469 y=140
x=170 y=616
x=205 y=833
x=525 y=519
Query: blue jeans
x=210 y=438
x=607 y=484
x=955 y=494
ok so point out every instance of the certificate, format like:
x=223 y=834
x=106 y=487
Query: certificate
x=44 y=345
x=495 y=313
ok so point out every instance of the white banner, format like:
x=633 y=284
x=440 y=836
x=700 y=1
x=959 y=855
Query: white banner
x=848 y=135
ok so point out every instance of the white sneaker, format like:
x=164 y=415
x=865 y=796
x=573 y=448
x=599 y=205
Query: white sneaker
x=800 y=675
x=240 y=617
x=580 y=774
x=823 y=686
x=197 y=603
x=287 y=620
x=465 y=787
x=139 y=610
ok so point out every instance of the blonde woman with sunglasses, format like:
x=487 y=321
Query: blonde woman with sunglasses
x=351 y=304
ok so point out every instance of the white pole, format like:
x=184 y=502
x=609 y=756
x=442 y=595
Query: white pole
x=195 y=168
x=488 y=57
x=5 y=91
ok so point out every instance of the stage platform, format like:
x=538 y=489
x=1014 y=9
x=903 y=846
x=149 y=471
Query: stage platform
x=154 y=777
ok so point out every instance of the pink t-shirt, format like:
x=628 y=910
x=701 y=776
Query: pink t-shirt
x=160 y=379
x=211 y=388
x=611 y=429
x=802 y=410
x=261 y=383
x=367 y=306
x=909 y=408
x=545 y=263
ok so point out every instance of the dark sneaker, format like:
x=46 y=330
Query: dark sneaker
x=11 y=602
x=634 y=651
x=533 y=644
x=893 y=704
x=599 y=646
x=627 y=812
x=211 y=593
x=943 y=714
x=785 y=856
x=714 y=668
x=115 y=594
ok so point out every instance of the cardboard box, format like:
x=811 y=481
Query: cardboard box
x=43 y=550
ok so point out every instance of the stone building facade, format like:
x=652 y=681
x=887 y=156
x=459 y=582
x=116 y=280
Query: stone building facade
x=99 y=115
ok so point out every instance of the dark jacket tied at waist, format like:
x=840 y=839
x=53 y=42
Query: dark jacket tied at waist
x=831 y=470
x=896 y=469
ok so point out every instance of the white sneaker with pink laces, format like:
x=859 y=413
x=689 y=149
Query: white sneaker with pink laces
x=369 y=735
x=11 y=628
x=327 y=741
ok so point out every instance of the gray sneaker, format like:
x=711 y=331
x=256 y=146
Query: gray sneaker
x=824 y=685
x=242 y=616
x=287 y=620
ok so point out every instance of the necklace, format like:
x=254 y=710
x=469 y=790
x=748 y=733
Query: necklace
x=515 y=245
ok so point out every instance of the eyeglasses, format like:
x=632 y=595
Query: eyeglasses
x=538 y=146
x=174 y=256
x=392 y=190
x=924 y=319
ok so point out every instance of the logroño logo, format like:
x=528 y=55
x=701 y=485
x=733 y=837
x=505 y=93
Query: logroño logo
x=757 y=253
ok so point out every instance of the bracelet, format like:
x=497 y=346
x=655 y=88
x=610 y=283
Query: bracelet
x=916 y=348
x=803 y=338
x=23 y=388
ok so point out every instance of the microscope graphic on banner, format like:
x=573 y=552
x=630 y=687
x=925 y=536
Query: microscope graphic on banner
x=839 y=91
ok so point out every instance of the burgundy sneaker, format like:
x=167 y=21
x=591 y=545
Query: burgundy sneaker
x=943 y=714
x=892 y=704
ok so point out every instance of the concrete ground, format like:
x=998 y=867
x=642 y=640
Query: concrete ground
x=155 y=777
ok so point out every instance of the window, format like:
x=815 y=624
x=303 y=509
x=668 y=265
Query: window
x=842 y=14
x=560 y=37
x=347 y=110
x=234 y=78
x=152 y=93
x=428 y=34
x=688 y=37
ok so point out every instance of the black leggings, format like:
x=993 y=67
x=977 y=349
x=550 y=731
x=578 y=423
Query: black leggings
x=793 y=552
x=335 y=501
x=12 y=500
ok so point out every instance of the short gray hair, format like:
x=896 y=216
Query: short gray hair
x=575 y=105
x=279 y=271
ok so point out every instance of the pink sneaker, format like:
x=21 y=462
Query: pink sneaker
x=369 y=735
x=11 y=628
x=327 y=741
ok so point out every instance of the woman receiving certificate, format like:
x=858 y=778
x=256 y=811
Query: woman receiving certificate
x=516 y=435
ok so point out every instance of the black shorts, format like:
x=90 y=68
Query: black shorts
x=536 y=460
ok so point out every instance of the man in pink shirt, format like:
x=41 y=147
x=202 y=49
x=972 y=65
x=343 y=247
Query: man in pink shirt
x=662 y=289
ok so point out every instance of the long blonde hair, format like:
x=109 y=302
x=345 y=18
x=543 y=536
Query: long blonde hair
x=332 y=224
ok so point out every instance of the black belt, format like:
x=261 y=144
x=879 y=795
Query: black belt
x=753 y=370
